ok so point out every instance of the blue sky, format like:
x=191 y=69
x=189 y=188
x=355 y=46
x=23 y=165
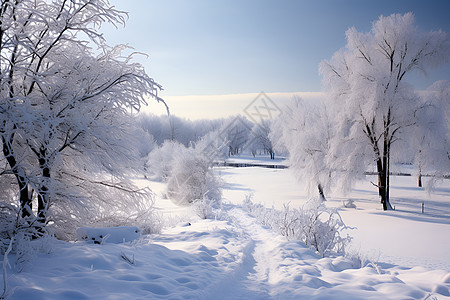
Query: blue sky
x=201 y=47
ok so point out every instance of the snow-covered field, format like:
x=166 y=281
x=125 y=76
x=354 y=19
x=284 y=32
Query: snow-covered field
x=234 y=257
x=404 y=237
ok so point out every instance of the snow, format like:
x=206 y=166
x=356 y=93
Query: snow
x=115 y=235
x=405 y=236
x=235 y=257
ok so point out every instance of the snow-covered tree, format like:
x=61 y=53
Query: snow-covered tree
x=260 y=140
x=160 y=160
x=212 y=146
x=65 y=111
x=305 y=131
x=191 y=178
x=158 y=127
x=236 y=131
x=430 y=136
x=372 y=100
x=173 y=128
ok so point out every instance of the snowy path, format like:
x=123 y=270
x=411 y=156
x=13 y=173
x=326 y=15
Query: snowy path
x=254 y=277
x=273 y=268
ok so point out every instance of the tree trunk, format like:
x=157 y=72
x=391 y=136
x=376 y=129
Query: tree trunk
x=387 y=166
x=322 y=195
x=383 y=164
x=43 y=196
x=419 y=183
x=382 y=160
x=24 y=199
x=383 y=174
x=381 y=183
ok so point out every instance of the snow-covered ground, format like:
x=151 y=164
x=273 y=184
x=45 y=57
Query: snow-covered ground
x=403 y=237
x=234 y=257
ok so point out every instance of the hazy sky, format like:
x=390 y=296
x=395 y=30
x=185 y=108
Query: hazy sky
x=201 y=47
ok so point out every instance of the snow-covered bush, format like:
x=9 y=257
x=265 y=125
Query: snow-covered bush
x=318 y=226
x=265 y=216
x=8 y=215
x=192 y=178
x=22 y=237
x=207 y=208
x=321 y=228
x=288 y=222
x=188 y=174
x=19 y=233
x=160 y=160
x=126 y=206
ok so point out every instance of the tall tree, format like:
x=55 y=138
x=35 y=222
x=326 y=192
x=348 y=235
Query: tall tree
x=431 y=133
x=304 y=129
x=372 y=100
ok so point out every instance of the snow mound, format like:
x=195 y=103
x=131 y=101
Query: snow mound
x=182 y=263
x=113 y=235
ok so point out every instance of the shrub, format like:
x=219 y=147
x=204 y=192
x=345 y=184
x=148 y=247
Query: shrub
x=8 y=215
x=160 y=160
x=318 y=226
x=189 y=175
x=125 y=207
x=192 y=179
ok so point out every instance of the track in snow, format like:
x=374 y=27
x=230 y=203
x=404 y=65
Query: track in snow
x=274 y=268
